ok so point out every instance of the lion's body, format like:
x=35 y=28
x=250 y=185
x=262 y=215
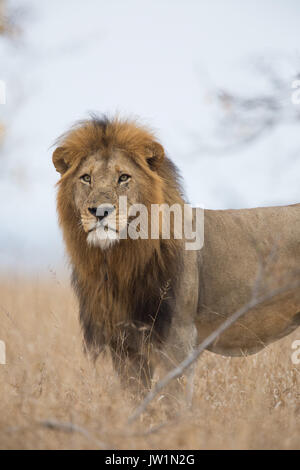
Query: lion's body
x=146 y=299
x=243 y=248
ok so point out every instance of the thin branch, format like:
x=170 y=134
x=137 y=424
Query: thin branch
x=73 y=428
x=189 y=360
x=241 y=118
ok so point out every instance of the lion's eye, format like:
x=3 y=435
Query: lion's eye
x=124 y=178
x=85 y=178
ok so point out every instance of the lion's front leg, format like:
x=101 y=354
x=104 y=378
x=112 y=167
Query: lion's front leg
x=182 y=336
x=181 y=343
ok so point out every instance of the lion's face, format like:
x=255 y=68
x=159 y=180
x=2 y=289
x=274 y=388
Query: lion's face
x=98 y=184
x=106 y=168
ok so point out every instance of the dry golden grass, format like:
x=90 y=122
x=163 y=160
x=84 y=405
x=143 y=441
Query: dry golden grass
x=239 y=403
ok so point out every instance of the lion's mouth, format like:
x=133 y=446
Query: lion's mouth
x=102 y=236
x=104 y=227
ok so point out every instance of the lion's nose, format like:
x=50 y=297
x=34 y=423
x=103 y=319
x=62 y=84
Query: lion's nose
x=101 y=211
x=93 y=210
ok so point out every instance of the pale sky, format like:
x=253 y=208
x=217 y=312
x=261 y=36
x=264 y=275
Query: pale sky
x=155 y=59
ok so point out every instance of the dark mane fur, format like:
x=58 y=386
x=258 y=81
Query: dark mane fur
x=129 y=290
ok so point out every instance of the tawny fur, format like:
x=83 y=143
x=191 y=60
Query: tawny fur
x=120 y=290
x=143 y=296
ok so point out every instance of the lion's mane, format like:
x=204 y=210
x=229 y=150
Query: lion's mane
x=129 y=283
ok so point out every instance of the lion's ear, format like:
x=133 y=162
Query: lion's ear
x=155 y=155
x=59 y=160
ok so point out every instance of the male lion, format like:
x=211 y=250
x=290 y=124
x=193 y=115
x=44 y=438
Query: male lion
x=150 y=299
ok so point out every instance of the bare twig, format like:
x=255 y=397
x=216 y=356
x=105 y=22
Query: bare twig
x=242 y=119
x=73 y=428
x=189 y=360
x=9 y=17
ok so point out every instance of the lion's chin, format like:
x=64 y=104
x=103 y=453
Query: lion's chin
x=101 y=238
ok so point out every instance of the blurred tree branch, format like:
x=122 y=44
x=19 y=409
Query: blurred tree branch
x=177 y=372
x=242 y=118
x=3 y=26
x=3 y=19
x=8 y=28
x=7 y=22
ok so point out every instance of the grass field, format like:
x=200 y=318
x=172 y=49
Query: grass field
x=53 y=397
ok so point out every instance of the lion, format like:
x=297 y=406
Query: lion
x=151 y=301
